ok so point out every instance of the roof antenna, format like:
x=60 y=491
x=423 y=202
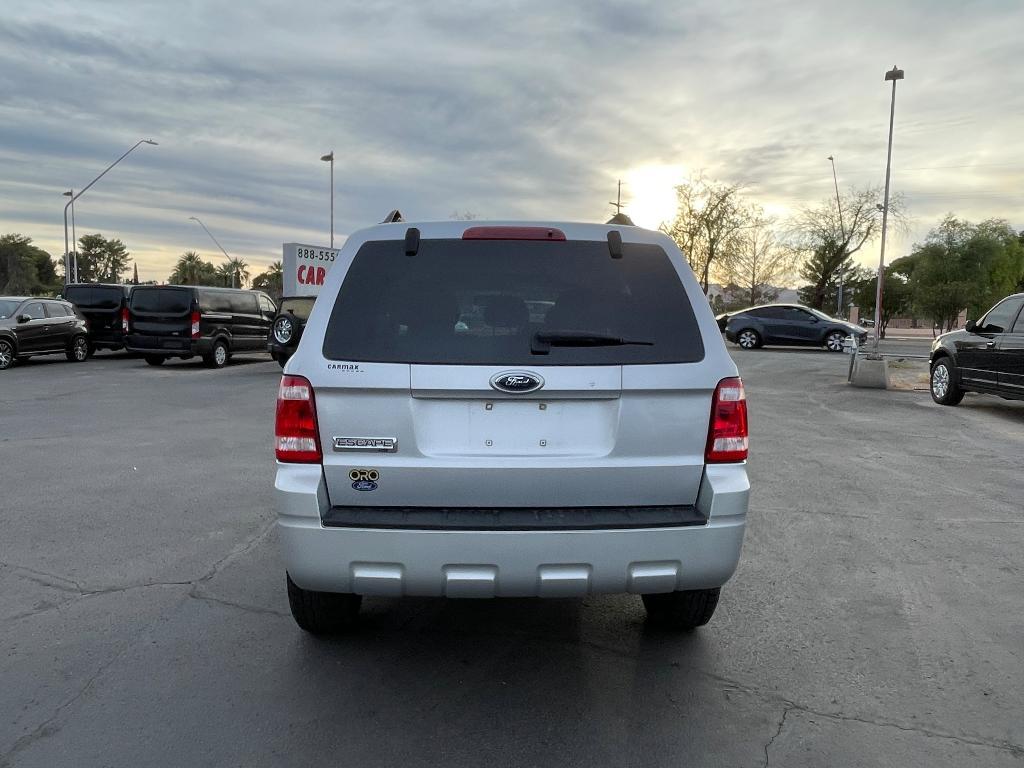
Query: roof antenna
x=412 y=241
x=615 y=244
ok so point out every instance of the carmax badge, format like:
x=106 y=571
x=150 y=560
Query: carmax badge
x=373 y=444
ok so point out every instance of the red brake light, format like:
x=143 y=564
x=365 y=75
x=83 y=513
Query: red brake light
x=195 y=325
x=727 y=434
x=513 y=233
x=296 y=439
x=124 y=319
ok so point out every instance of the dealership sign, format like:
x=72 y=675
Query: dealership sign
x=305 y=267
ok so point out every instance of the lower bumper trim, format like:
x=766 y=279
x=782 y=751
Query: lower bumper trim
x=512 y=519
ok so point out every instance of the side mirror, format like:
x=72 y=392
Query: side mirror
x=971 y=326
x=23 y=318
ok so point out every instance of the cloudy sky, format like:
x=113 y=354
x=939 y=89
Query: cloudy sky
x=514 y=110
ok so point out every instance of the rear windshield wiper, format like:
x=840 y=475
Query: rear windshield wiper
x=543 y=341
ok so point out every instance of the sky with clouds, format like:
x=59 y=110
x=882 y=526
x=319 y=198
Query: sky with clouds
x=517 y=110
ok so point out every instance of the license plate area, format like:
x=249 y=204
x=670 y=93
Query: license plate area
x=511 y=428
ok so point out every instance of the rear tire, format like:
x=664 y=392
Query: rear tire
x=218 y=356
x=323 y=613
x=684 y=610
x=78 y=351
x=942 y=382
x=155 y=359
x=748 y=338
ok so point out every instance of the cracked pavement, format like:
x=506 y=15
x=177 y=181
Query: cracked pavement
x=876 y=618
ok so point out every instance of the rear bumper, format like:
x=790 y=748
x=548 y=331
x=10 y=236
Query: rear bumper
x=168 y=346
x=508 y=563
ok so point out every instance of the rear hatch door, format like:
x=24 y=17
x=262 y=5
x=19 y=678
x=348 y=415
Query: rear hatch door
x=161 y=312
x=512 y=374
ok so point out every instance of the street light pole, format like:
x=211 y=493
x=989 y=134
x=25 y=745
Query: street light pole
x=329 y=158
x=74 y=237
x=197 y=221
x=894 y=74
x=82 y=191
x=842 y=234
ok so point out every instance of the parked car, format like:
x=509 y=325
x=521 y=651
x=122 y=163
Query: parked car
x=105 y=306
x=790 y=324
x=288 y=325
x=33 y=326
x=986 y=356
x=587 y=435
x=722 y=320
x=184 y=321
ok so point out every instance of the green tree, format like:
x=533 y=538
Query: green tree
x=829 y=240
x=271 y=281
x=101 y=260
x=964 y=266
x=190 y=269
x=896 y=293
x=26 y=268
x=234 y=273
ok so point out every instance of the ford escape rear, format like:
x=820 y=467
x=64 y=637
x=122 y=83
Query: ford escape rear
x=510 y=410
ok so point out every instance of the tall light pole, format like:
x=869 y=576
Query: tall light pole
x=82 y=191
x=842 y=234
x=74 y=238
x=893 y=74
x=329 y=158
x=197 y=221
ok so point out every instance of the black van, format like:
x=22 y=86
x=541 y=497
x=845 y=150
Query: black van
x=184 y=321
x=105 y=307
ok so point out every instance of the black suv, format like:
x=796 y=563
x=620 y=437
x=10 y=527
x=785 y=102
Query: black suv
x=288 y=325
x=184 y=321
x=31 y=326
x=986 y=356
x=105 y=306
x=789 y=324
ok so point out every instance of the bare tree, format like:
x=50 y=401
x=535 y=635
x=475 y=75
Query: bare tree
x=829 y=241
x=758 y=262
x=709 y=220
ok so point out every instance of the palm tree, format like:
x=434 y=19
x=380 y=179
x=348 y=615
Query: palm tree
x=188 y=270
x=235 y=272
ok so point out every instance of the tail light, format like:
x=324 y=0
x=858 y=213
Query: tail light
x=513 y=233
x=124 y=319
x=295 y=434
x=727 y=434
x=195 y=325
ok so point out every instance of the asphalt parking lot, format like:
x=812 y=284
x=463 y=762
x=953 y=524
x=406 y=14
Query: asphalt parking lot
x=877 y=617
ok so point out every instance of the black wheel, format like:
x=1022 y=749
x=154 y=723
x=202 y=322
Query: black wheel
x=322 y=613
x=834 y=341
x=78 y=351
x=218 y=356
x=682 y=610
x=7 y=356
x=155 y=359
x=748 y=338
x=285 y=330
x=944 y=384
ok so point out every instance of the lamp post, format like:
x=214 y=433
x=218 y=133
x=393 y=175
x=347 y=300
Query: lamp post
x=82 y=191
x=329 y=158
x=74 y=239
x=893 y=74
x=197 y=221
x=842 y=235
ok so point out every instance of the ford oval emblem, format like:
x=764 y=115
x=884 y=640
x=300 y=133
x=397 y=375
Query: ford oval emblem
x=517 y=382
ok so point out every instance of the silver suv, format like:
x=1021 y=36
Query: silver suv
x=510 y=410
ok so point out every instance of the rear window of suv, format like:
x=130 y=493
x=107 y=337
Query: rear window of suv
x=161 y=300
x=480 y=302
x=94 y=296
